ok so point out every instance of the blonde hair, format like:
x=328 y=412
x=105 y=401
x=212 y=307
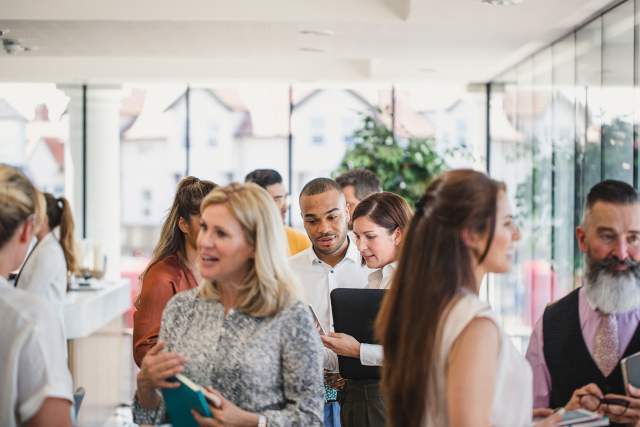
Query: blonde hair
x=270 y=284
x=19 y=200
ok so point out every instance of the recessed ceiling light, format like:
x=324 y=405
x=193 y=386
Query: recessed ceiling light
x=427 y=70
x=502 y=2
x=321 y=33
x=312 y=49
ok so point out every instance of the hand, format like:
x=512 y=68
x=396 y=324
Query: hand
x=631 y=415
x=226 y=414
x=342 y=344
x=574 y=402
x=551 y=420
x=542 y=412
x=158 y=366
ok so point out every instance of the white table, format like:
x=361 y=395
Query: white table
x=87 y=311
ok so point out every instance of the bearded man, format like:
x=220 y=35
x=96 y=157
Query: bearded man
x=576 y=347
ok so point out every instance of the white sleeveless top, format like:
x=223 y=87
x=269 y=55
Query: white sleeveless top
x=513 y=399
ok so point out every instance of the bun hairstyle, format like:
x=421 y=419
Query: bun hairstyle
x=19 y=200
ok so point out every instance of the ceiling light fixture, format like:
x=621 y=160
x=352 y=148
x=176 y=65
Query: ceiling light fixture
x=312 y=49
x=12 y=46
x=320 y=33
x=427 y=70
x=502 y=2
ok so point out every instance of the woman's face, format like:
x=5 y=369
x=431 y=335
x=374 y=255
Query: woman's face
x=500 y=255
x=377 y=246
x=224 y=254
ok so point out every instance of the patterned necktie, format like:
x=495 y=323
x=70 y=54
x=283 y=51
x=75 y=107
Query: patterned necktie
x=606 y=344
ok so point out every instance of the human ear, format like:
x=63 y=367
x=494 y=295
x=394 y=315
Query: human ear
x=182 y=225
x=26 y=231
x=397 y=236
x=471 y=239
x=581 y=237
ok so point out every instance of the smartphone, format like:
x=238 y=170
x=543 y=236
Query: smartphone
x=316 y=321
x=631 y=370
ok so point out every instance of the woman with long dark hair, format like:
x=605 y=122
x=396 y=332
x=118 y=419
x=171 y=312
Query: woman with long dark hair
x=379 y=223
x=447 y=361
x=172 y=268
x=48 y=267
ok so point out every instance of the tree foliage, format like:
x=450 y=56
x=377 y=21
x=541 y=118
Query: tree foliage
x=404 y=167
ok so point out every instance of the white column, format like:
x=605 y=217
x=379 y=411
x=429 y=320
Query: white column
x=102 y=156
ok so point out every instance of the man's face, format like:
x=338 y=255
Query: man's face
x=279 y=195
x=349 y=192
x=610 y=240
x=611 y=234
x=325 y=217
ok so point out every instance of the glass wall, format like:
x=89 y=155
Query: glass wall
x=561 y=121
x=34 y=128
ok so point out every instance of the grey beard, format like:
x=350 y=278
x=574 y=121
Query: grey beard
x=612 y=293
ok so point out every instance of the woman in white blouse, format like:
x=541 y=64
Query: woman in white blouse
x=447 y=360
x=378 y=225
x=46 y=270
x=35 y=384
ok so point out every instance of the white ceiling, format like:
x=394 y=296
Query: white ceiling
x=456 y=41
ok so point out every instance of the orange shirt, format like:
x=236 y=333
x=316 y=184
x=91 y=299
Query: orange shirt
x=163 y=280
x=298 y=241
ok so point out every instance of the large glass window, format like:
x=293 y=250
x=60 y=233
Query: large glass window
x=34 y=129
x=563 y=137
x=617 y=93
x=153 y=160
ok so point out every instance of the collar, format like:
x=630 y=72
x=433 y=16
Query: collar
x=388 y=269
x=4 y=282
x=353 y=254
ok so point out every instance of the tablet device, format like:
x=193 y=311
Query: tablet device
x=181 y=400
x=631 y=370
x=354 y=313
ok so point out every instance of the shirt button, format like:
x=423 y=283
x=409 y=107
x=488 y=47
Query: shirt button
x=331 y=271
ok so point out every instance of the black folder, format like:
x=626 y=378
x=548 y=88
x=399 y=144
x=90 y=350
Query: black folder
x=354 y=313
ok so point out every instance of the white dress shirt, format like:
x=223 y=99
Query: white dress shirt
x=317 y=279
x=372 y=354
x=33 y=362
x=45 y=273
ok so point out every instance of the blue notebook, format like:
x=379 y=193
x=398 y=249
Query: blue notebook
x=181 y=400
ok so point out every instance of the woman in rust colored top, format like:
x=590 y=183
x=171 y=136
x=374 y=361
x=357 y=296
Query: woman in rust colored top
x=173 y=266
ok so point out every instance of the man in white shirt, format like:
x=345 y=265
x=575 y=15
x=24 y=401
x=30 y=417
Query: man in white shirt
x=333 y=261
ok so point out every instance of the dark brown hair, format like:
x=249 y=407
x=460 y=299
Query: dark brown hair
x=434 y=267
x=186 y=203
x=59 y=215
x=388 y=210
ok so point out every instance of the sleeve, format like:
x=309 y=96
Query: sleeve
x=168 y=333
x=330 y=361
x=302 y=360
x=42 y=365
x=157 y=289
x=541 y=376
x=371 y=354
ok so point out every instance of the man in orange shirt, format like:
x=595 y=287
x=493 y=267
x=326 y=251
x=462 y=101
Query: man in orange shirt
x=173 y=266
x=271 y=181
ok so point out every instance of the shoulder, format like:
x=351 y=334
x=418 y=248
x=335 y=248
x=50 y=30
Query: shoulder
x=26 y=310
x=163 y=271
x=301 y=259
x=563 y=306
x=295 y=315
x=181 y=304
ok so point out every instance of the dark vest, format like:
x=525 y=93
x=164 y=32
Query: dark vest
x=568 y=359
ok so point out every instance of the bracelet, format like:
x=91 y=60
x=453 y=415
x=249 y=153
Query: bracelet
x=262 y=421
